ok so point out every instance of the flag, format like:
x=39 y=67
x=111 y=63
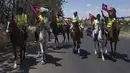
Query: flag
x=91 y=17
x=36 y=10
x=110 y=10
x=104 y=7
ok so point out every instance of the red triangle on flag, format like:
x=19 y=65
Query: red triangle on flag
x=36 y=9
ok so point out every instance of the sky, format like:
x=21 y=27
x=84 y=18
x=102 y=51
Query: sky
x=84 y=7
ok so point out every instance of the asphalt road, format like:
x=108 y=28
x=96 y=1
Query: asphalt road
x=64 y=61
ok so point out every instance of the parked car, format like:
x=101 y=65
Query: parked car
x=89 y=30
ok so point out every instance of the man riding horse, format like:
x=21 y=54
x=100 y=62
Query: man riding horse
x=96 y=23
x=110 y=19
x=39 y=21
x=113 y=29
x=59 y=21
x=21 y=20
x=75 y=21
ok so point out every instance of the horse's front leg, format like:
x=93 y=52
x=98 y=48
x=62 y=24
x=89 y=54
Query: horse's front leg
x=78 y=47
x=74 y=43
x=102 y=50
x=42 y=52
x=15 y=56
x=68 y=36
x=115 y=48
x=111 y=48
x=64 y=36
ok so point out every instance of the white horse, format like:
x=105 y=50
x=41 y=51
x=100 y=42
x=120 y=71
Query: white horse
x=43 y=38
x=99 y=42
x=43 y=41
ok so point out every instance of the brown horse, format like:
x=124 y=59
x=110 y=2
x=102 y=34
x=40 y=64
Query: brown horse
x=17 y=38
x=76 y=37
x=113 y=36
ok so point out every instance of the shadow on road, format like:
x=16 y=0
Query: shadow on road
x=118 y=56
x=122 y=57
x=53 y=51
x=109 y=57
x=28 y=64
x=84 y=54
x=52 y=60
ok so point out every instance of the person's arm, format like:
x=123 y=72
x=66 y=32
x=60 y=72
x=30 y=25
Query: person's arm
x=103 y=14
x=108 y=13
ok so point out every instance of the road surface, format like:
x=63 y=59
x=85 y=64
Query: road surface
x=64 y=61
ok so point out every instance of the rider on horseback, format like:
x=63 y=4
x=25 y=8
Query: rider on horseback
x=96 y=24
x=21 y=20
x=110 y=19
x=42 y=17
x=76 y=20
x=59 y=20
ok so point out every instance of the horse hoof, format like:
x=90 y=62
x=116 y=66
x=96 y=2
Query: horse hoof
x=78 y=51
x=43 y=62
x=103 y=58
x=95 y=52
x=15 y=65
x=106 y=51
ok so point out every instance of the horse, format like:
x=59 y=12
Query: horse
x=99 y=41
x=76 y=37
x=64 y=29
x=42 y=40
x=17 y=38
x=113 y=35
x=54 y=28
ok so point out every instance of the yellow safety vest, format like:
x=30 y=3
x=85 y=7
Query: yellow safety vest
x=75 y=19
x=110 y=21
x=41 y=19
x=95 y=23
x=21 y=19
x=59 y=20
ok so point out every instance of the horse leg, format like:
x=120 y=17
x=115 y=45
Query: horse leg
x=64 y=36
x=56 y=38
x=74 y=42
x=15 y=56
x=111 y=47
x=45 y=49
x=115 y=48
x=36 y=36
x=49 y=33
x=24 y=51
x=102 y=50
x=68 y=36
x=42 y=52
x=95 y=47
x=78 y=47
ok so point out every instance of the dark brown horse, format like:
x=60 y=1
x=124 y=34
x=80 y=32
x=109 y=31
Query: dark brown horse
x=17 y=38
x=113 y=36
x=76 y=37
x=63 y=29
